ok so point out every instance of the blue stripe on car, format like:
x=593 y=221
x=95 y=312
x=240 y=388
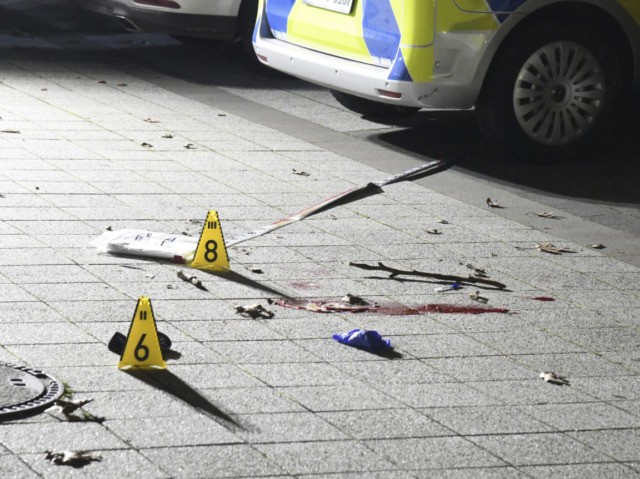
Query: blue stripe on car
x=399 y=71
x=278 y=14
x=380 y=29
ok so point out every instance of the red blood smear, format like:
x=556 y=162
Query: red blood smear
x=543 y=298
x=323 y=306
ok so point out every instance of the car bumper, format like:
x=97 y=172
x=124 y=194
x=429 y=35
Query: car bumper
x=143 y=19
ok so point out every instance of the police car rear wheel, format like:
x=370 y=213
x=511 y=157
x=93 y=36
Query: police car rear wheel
x=370 y=108
x=559 y=93
x=550 y=94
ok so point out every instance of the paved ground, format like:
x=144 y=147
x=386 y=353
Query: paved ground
x=278 y=397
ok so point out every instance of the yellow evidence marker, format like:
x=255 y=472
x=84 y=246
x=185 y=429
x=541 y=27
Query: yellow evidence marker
x=211 y=253
x=142 y=349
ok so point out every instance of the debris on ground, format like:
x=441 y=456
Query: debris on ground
x=548 y=215
x=553 y=378
x=450 y=287
x=433 y=231
x=477 y=297
x=353 y=299
x=597 y=246
x=478 y=272
x=191 y=279
x=255 y=311
x=151 y=120
x=167 y=135
x=493 y=203
x=190 y=146
x=369 y=340
x=256 y=270
x=72 y=458
x=542 y=298
x=121 y=84
x=300 y=172
x=393 y=273
x=10 y=131
x=101 y=81
x=552 y=249
x=68 y=406
x=443 y=222
x=146 y=145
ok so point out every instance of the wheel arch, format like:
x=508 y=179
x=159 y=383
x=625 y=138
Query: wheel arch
x=615 y=21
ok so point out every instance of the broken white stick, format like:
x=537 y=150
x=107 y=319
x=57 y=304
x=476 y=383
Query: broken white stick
x=323 y=204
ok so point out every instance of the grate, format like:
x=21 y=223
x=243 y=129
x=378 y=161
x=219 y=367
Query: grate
x=25 y=390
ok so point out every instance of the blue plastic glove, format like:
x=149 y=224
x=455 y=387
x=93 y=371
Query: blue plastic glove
x=369 y=340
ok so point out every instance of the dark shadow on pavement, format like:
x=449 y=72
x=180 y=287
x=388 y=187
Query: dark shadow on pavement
x=166 y=381
x=608 y=172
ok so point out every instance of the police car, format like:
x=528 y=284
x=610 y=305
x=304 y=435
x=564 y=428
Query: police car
x=544 y=76
x=215 y=20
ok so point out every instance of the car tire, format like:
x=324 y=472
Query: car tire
x=550 y=93
x=370 y=108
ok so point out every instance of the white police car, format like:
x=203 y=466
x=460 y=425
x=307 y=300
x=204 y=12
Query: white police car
x=544 y=76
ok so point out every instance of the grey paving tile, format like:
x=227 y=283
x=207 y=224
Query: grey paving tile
x=324 y=457
x=603 y=339
x=135 y=404
x=201 y=376
x=385 y=424
x=188 y=430
x=480 y=368
x=533 y=342
x=357 y=475
x=442 y=345
x=531 y=391
x=212 y=332
x=573 y=365
x=343 y=397
x=538 y=449
x=246 y=401
x=405 y=371
x=478 y=420
x=87 y=310
x=581 y=471
x=440 y=395
x=258 y=352
x=582 y=416
x=42 y=333
x=473 y=473
x=71 y=354
x=298 y=374
x=40 y=437
x=14 y=293
x=621 y=444
x=28 y=311
x=67 y=291
x=14 y=466
x=236 y=460
x=113 y=463
x=287 y=427
x=434 y=453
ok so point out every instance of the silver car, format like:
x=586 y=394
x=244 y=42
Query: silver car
x=214 y=20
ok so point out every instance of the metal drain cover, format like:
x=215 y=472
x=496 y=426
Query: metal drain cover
x=26 y=390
